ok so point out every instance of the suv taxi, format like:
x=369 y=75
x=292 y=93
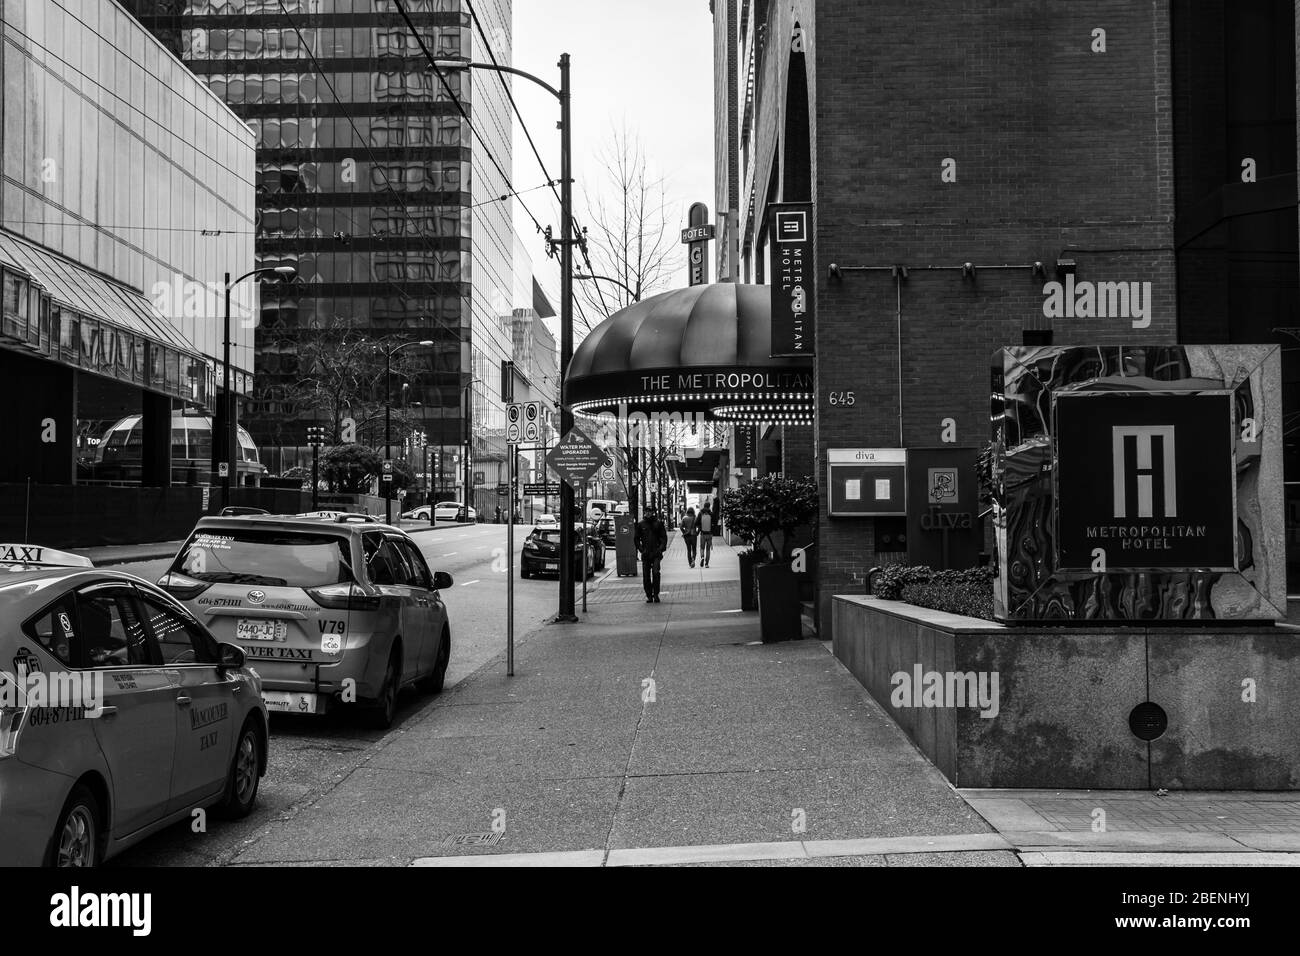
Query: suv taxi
x=330 y=612
x=121 y=714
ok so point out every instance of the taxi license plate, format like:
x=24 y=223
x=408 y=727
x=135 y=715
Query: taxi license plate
x=246 y=630
x=291 y=702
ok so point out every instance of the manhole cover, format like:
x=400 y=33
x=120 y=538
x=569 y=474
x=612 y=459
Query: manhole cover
x=472 y=839
x=1147 y=721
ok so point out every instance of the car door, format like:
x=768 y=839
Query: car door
x=428 y=606
x=390 y=572
x=206 y=713
x=137 y=729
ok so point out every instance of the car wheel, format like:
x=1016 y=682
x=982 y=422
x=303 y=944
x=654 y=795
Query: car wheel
x=245 y=774
x=385 y=706
x=76 y=836
x=434 y=682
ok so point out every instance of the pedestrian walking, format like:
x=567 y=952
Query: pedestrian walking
x=689 y=533
x=651 y=542
x=705 y=524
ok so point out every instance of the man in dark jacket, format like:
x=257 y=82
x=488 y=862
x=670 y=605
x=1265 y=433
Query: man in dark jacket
x=651 y=543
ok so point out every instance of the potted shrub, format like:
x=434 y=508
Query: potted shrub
x=758 y=511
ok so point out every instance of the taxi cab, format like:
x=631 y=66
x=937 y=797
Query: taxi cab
x=331 y=612
x=120 y=714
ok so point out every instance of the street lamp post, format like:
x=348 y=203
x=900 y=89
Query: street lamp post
x=388 y=417
x=566 y=244
x=229 y=444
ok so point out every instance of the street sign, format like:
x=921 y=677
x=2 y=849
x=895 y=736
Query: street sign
x=480 y=477
x=532 y=419
x=223 y=470
x=503 y=489
x=388 y=470
x=514 y=430
x=576 y=458
x=541 y=491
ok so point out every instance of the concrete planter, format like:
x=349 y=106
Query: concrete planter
x=1064 y=696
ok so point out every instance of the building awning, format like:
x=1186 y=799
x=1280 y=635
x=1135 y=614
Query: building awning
x=703 y=349
x=112 y=323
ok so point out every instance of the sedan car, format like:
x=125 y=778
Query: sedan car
x=453 y=511
x=418 y=514
x=331 y=613
x=122 y=715
x=548 y=521
x=541 y=553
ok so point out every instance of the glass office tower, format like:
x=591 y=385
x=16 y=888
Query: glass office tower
x=367 y=176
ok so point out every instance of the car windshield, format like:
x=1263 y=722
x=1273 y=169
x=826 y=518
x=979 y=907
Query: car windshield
x=267 y=557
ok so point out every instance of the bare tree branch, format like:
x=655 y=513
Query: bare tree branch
x=632 y=234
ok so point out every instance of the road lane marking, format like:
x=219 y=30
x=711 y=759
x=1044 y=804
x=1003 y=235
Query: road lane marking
x=449 y=554
x=468 y=583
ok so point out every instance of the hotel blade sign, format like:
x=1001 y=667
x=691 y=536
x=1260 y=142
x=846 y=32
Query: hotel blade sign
x=790 y=242
x=696 y=237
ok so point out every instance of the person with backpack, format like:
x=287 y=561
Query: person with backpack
x=689 y=532
x=704 y=524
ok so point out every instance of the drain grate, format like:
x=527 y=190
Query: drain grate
x=472 y=839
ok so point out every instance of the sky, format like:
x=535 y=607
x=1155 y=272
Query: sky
x=645 y=63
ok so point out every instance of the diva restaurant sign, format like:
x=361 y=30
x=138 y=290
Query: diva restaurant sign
x=791 y=276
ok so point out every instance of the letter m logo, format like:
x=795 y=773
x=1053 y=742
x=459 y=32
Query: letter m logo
x=1143 y=469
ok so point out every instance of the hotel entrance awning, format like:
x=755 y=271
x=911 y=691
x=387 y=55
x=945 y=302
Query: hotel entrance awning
x=706 y=348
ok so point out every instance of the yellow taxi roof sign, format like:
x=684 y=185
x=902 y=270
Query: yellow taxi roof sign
x=35 y=555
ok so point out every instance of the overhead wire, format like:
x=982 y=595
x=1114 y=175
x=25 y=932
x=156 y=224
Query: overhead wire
x=577 y=231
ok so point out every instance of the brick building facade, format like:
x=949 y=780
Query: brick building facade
x=1017 y=138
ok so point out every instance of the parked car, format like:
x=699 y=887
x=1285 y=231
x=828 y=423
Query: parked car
x=418 y=514
x=453 y=511
x=548 y=521
x=233 y=510
x=331 y=614
x=144 y=716
x=541 y=553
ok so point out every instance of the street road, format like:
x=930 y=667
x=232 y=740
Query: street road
x=308 y=753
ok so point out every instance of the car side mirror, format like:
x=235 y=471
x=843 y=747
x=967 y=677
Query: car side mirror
x=441 y=580
x=230 y=656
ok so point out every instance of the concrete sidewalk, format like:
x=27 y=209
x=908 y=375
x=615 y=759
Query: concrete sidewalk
x=646 y=734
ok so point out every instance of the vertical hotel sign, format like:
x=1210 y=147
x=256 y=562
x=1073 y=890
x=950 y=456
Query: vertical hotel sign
x=791 y=275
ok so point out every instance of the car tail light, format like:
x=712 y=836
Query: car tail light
x=181 y=587
x=11 y=716
x=344 y=597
